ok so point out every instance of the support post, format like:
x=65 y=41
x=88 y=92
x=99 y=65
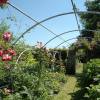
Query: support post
x=71 y=62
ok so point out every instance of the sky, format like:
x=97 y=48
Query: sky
x=39 y=10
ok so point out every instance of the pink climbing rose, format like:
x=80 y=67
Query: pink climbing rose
x=6 y=57
x=3 y=2
x=7 y=36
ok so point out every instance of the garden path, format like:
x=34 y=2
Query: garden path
x=69 y=87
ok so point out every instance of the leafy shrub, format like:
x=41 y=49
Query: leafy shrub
x=93 y=92
x=90 y=80
x=27 y=85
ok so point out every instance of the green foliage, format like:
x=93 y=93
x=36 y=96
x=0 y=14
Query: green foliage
x=62 y=52
x=57 y=62
x=90 y=80
x=90 y=21
x=30 y=78
x=24 y=55
x=93 y=92
x=26 y=84
x=89 y=41
x=3 y=28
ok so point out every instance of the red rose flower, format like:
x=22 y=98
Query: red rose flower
x=7 y=36
x=6 y=57
x=1 y=52
x=5 y=52
x=3 y=2
x=9 y=58
x=12 y=52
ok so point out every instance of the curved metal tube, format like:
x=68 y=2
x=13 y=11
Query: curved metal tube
x=58 y=36
x=65 y=33
x=69 y=40
x=53 y=39
x=23 y=53
x=25 y=14
x=49 y=18
x=65 y=41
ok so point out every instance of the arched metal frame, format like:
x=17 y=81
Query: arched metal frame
x=75 y=13
x=25 y=14
x=22 y=54
x=40 y=48
x=49 y=18
x=55 y=38
x=67 y=32
x=69 y=40
x=65 y=42
x=27 y=49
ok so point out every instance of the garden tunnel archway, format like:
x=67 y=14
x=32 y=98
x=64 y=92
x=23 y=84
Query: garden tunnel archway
x=49 y=18
x=71 y=54
x=39 y=23
x=70 y=59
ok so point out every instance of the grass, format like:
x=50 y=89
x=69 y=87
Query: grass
x=70 y=87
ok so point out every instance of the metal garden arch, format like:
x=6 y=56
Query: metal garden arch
x=49 y=18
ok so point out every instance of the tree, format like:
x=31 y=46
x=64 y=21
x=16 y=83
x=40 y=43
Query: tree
x=90 y=21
